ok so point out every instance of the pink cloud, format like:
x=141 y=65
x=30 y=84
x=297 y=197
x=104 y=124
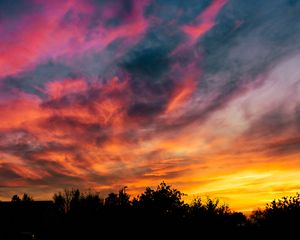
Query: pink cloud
x=61 y=29
x=205 y=21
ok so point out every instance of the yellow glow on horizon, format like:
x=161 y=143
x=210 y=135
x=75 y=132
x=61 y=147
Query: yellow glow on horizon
x=249 y=189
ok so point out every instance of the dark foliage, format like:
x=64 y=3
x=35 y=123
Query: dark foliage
x=280 y=214
x=155 y=214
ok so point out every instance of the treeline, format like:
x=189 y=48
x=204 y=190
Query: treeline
x=154 y=214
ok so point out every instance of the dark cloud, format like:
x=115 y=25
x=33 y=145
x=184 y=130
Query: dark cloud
x=124 y=11
x=33 y=81
x=176 y=10
x=6 y=172
x=57 y=178
x=19 y=143
x=275 y=122
x=297 y=118
x=147 y=110
x=148 y=69
x=149 y=63
x=284 y=147
x=274 y=133
x=92 y=133
x=114 y=14
x=13 y=9
x=54 y=178
x=31 y=151
x=22 y=144
x=71 y=123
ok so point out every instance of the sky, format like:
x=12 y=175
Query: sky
x=201 y=94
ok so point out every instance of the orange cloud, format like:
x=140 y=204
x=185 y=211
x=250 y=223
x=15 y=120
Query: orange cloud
x=22 y=109
x=182 y=92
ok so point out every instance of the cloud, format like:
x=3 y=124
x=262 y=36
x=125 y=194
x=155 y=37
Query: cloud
x=104 y=93
x=33 y=81
x=286 y=146
x=74 y=30
x=206 y=19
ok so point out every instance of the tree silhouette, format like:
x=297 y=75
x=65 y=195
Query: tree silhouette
x=124 y=197
x=112 y=200
x=60 y=203
x=162 y=206
x=91 y=202
x=280 y=213
x=27 y=198
x=158 y=213
x=164 y=198
x=212 y=214
x=15 y=198
x=67 y=201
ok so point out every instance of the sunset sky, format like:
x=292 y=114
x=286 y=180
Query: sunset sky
x=203 y=94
